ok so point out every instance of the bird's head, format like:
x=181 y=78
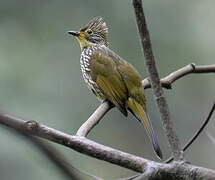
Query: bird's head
x=93 y=33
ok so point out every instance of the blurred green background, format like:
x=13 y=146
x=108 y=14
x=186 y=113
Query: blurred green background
x=40 y=78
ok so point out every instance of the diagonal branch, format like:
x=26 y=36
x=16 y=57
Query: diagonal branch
x=94 y=119
x=155 y=82
x=80 y=144
x=153 y=169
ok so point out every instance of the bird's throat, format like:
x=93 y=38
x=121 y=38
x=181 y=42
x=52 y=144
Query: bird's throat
x=84 y=43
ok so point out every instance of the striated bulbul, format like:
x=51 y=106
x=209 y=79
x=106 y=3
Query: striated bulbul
x=110 y=77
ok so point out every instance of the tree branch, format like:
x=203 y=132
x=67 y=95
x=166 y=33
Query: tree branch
x=155 y=82
x=80 y=144
x=174 y=170
x=167 y=81
x=94 y=119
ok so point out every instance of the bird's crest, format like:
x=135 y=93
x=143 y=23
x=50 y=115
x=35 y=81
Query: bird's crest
x=98 y=26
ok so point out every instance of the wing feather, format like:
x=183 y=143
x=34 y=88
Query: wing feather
x=108 y=79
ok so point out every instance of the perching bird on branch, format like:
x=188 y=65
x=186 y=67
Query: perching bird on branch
x=110 y=77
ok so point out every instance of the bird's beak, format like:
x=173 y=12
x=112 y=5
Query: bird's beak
x=74 y=33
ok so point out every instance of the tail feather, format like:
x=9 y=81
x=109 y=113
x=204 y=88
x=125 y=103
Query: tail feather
x=139 y=112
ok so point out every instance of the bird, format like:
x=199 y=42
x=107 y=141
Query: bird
x=110 y=77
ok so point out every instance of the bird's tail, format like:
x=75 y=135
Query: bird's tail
x=139 y=112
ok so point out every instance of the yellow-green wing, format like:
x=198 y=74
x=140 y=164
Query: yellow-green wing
x=136 y=101
x=104 y=72
x=132 y=80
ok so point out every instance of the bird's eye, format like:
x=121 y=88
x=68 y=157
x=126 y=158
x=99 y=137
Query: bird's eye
x=89 y=31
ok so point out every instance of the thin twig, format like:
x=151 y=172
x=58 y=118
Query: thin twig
x=155 y=82
x=197 y=133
